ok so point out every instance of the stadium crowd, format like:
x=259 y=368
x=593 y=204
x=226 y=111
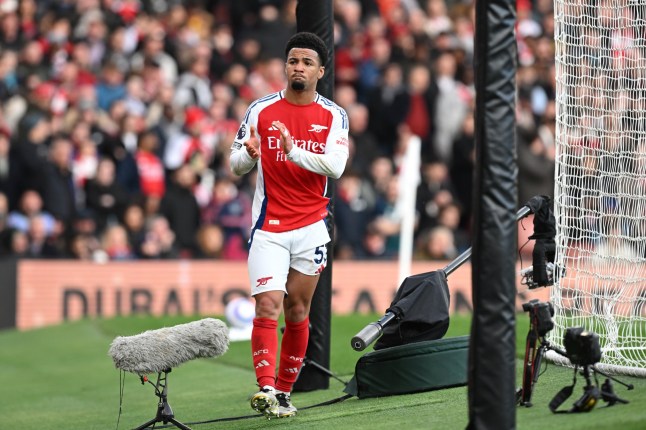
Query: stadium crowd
x=117 y=117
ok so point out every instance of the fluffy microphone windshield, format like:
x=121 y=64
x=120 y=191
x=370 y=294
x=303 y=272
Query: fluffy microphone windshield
x=155 y=351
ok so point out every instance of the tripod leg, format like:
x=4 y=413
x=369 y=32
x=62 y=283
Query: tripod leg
x=531 y=353
x=628 y=386
x=148 y=424
x=179 y=425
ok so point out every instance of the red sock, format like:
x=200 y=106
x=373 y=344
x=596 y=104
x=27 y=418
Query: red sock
x=264 y=345
x=292 y=351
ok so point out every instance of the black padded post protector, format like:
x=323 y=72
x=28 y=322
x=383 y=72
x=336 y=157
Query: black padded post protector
x=8 y=269
x=492 y=401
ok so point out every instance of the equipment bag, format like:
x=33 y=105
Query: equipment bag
x=411 y=368
x=421 y=306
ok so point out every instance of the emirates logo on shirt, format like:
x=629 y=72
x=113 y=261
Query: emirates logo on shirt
x=310 y=145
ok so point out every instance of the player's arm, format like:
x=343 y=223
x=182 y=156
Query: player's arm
x=332 y=162
x=245 y=150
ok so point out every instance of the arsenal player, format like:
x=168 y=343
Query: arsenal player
x=297 y=139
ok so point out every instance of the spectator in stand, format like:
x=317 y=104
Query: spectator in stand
x=111 y=86
x=134 y=221
x=231 y=211
x=10 y=34
x=153 y=50
x=82 y=241
x=382 y=170
x=112 y=145
x=462 y=168
x=365 y=143
x=84 y=247
x=59 y=192
x=41 y=244
x=194 y=85
x=437 y=244
x=389 y=218
x=29 y=206
x=104 y=196
x=115 y=243
x=15 y=243
x=272 y=31
x=355 y=207
x=450 y=216
x=210 y=239
x=81 y=56
x=384 y=104
x=31 y=64
x=10 y=174
x=417 y=107
x=433 y=194
x=38 y=108
x=159 y=241
x=375 y=246
x=188 y=145
x=451 y=104
x=372 y=67
x=9 y=85
x=222 y=55
x=84 y=163
x=180 y=207
x=438 y=20
x=535 y=167
x=152 y=177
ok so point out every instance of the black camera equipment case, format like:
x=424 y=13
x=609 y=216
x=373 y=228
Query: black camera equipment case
x=411 y=368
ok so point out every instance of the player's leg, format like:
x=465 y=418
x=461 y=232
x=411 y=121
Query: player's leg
x=268 y=264
x=294 y=343
x=309 y=257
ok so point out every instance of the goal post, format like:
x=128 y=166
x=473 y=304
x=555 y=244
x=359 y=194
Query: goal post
x=600 y=180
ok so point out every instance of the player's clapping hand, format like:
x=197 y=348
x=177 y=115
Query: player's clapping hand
x=285 y=138
x=252 y=143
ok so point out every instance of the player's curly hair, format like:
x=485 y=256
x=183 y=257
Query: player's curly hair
x=308 y=40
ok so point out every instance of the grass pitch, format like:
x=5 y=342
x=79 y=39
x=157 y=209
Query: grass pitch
x=62 y=378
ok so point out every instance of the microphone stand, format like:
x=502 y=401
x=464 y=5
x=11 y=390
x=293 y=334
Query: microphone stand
x=164 y=412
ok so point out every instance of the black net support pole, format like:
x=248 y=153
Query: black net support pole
x=316 y=17
x=492 y=351
x=8 y=293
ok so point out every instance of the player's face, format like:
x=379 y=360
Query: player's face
x=303 y=69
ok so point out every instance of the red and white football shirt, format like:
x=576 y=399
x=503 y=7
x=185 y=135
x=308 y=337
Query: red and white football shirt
x=290 y=190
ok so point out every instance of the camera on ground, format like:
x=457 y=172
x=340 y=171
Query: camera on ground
x=582 y=346
x=540 y=315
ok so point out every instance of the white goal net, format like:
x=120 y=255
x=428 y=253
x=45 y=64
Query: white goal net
x=600 y=193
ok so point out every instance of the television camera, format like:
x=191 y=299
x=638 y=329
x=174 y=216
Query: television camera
x=543 y=270
x=582 y=348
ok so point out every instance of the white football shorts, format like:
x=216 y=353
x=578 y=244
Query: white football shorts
x=272 y=254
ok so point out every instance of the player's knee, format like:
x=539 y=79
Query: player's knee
x=296 y=310
x=267 y=306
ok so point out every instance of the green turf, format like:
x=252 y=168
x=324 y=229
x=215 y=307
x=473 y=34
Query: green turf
x=62 y=378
